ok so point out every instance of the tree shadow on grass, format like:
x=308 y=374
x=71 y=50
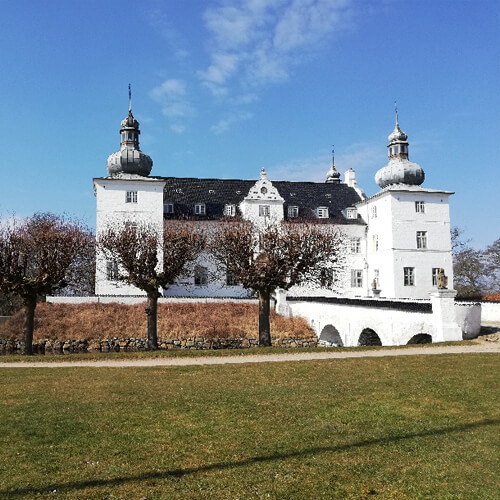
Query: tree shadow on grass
x=179 y=473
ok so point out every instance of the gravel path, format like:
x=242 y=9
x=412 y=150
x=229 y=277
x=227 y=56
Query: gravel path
x=484 y=347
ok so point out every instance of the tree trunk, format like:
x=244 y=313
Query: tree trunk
x=29 y=324
x=264 y=319
x=152 y=312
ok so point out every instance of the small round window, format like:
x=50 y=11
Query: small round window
x=263 y=190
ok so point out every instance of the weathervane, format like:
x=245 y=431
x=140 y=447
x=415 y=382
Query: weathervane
x=129 y=98
x=396 y=110
x=333 y=154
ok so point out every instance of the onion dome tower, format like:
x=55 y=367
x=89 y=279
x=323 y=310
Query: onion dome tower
x=399 y=170
x=333 y=175
x=130 y=159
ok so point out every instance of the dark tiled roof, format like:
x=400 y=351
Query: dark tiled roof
x=184 y=193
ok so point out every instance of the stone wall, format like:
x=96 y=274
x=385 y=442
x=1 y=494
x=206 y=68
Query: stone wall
x=9 y=346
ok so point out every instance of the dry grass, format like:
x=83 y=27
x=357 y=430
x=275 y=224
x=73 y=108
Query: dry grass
x=175 y=320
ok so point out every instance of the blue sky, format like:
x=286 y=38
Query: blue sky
x=223 y=88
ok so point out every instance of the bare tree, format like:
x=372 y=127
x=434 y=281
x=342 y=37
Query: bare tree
x=280 y=256
x=492 y=260
x=40 y=256
x=151 y=259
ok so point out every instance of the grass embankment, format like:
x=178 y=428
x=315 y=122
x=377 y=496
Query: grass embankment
x=176 y=320
x=418 y=427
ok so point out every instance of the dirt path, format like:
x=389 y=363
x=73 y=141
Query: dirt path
x=483 y=347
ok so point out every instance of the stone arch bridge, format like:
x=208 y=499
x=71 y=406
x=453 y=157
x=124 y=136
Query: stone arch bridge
x=353 y=322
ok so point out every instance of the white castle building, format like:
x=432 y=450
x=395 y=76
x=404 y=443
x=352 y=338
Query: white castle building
x=397 y=240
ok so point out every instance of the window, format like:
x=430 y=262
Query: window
x=420 y=207
x=131 y=197
x=356 y=278
x=355 y=245
x=375 y=242
x=435 y=272
x=374 y=212
x=421 y=239
x=327 y=278
x=409 y=276
x=168 y=208
x=293 y=211
x=352 y=213
x=264 y=210
x=112 y=270
x=322 y=212
x=200 y=275
x=230 y=279
x=199 y=209
x=376 y=275
x=229 y=210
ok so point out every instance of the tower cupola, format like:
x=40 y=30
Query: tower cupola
x=333 y=175
x=398 y=145
x=130 y=159
x=399 y=170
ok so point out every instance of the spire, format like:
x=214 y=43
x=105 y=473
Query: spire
x=130 y=159
x=398 y=145
x=333 y=176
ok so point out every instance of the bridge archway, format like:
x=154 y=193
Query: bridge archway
x=421 y=338
x=331 y=335
x=369 y=337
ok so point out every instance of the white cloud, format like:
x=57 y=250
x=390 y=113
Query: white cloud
x=177 y=128
x=223 y=66
x=169 y=89
x=172 y=96
x=362 y=156
x=259 y=41
x=175 y=43
x=223 y=125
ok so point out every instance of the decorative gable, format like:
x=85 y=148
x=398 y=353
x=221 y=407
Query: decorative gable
x=263 y=204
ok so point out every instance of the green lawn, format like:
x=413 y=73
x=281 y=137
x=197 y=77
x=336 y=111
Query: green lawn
x=409 y=427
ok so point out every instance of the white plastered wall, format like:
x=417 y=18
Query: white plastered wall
x=395 y=227
x=113 y=210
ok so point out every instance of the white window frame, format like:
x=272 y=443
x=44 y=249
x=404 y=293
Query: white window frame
x=230 y=279
x=112 y=270
x=200 y=276
x=322 y=212
x=375 y=242
x=408 y=276
x=435 y=272
x=376 y=276
x=420 y=207
x=374 y=211
x=421 y=240
x=356 y=278
x=355 y=245
x=293 y=211
x=168 y=208
x=131 y=197
x=200 y=209
x=264 y=210
x=229 y=210
x=352 y=213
